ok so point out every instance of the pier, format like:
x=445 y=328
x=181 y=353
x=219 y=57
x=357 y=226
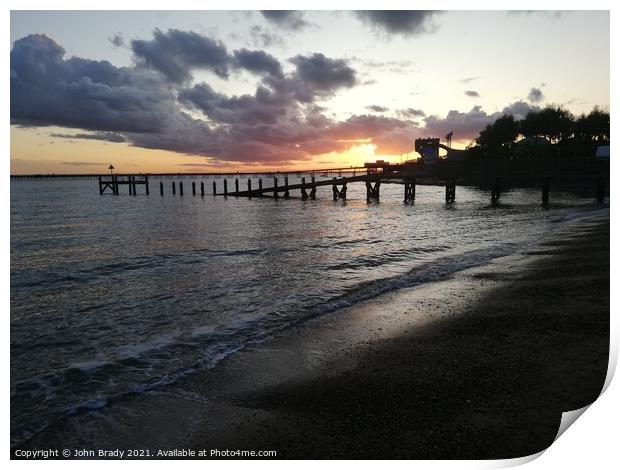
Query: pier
x=113 y=182
x=494 y=174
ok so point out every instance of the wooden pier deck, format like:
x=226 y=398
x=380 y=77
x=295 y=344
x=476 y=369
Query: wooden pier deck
x=490 y=173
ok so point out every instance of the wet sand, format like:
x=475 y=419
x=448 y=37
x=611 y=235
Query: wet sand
x=479 y=365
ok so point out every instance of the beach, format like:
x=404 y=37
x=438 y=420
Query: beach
x=478 y=365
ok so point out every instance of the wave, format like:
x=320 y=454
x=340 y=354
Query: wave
x=215 y=344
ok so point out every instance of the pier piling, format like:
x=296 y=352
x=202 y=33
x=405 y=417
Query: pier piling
x=495 y=191
x=372 y=190
x=545 y=191
x=339 y=193
x=409 y=190
x=374 y=176
x=450 y=191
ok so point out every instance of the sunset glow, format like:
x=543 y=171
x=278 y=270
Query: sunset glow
x=231 y=91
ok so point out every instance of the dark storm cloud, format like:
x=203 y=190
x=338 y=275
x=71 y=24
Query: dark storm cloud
x=278 y=97
x=472 y=93
x=105 y=136
x=315 y=76
x=175 y=53
x=280 y=122
x=183 y=134
x=377 y=109
x=82 y=93
x=322 y=75
x=142 y=107
x=535 y=95
x=258 y=62
x=287 y=19
x=264 y=107
x=405 y=22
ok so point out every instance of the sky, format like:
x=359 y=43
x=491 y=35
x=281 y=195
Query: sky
x=166 y=91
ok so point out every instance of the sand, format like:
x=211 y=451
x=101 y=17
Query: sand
x=479 y=365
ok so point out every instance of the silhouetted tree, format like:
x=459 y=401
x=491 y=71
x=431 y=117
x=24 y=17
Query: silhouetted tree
x=554 y=123
x=594 y=127
x=499 y=136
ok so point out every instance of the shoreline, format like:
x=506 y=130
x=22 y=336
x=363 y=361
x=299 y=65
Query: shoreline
x=452 y=369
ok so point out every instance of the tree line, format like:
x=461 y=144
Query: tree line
x=553 y=125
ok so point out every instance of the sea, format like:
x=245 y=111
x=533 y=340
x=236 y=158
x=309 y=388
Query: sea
x=115 y=296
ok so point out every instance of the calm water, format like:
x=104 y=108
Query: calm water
x=117 y=295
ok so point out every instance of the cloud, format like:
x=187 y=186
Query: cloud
x=287 y=19
x=261 y=37
x=388 y=63
x=324 y=74
x=117 y=40
x=377 y=109
x=411 y=112
x=263 y=108
x=84 y=163
x=518 y=109
x=467 y=125
x=535 y=95
x=468 y=79
x=405 y=22
x=390 y=135
x=280 y=122
x=79 y=93
x=258 y=62
x=472 y=93
x=394 y=66
x=554 y=14
x=175 y=53
x=143 y=107
x=195 y=164
x=106 y=136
